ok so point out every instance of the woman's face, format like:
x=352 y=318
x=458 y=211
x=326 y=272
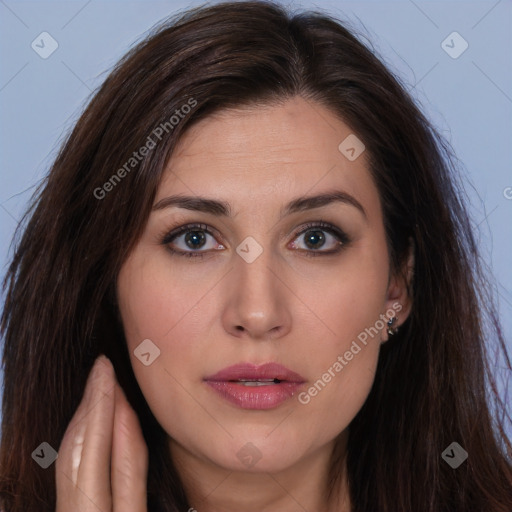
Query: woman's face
x=264 y=284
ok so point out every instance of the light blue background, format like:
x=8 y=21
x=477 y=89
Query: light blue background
x=469 y=98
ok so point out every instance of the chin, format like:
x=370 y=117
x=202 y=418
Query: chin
x=256 y=454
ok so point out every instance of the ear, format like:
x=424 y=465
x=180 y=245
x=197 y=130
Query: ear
x=399 y=294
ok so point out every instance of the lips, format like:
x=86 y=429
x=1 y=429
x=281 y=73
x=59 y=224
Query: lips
x=249 y=372
x=255 y=387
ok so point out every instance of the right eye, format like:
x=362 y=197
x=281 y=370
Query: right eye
x=189 y=239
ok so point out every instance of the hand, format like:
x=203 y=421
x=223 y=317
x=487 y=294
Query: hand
x=103 y=459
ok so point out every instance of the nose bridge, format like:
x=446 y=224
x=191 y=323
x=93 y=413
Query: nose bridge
x=257 y=305
x=253 y=271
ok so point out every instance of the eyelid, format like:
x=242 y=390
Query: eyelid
x=322 y=226
x=170 y=235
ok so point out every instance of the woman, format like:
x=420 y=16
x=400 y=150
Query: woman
x=260 y=231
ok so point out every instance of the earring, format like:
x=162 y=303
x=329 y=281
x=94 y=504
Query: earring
x=392 y=330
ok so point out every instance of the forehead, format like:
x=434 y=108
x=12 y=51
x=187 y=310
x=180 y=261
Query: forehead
x=262 y=155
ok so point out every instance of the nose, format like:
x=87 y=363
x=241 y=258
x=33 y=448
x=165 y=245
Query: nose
x=257 y=304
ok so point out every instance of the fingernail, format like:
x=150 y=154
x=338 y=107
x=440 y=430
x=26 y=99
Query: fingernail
x=104 y=359
x=102 y=363
x=100 y=376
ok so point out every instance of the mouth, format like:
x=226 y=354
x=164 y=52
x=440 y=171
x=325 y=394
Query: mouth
x=256 y=387
x=255 y=383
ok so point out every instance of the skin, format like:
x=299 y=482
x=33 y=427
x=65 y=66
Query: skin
x=103 y=459
x=208 y=313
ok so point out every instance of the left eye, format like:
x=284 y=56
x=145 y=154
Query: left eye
x=316 y=237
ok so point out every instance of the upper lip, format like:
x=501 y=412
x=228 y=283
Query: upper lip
x=252 y=372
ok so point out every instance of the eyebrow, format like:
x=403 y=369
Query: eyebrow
x=222 y=208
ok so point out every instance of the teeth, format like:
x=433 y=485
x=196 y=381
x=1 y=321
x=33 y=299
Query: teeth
x=258 y=383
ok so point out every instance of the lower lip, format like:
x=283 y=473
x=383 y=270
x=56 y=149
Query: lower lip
x=255 y=397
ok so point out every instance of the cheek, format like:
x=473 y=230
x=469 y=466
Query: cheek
x=344 y=361
x=155 y=299
x=346 y=298
x=343 y=370
x=174 y=311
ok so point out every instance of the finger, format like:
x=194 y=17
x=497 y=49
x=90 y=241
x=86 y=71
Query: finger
x=94 y=468
x=129 y=459
x=83 y=465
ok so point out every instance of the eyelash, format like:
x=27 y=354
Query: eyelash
x=342 y=237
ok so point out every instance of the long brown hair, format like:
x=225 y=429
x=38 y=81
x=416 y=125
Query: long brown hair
x=434 y=383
